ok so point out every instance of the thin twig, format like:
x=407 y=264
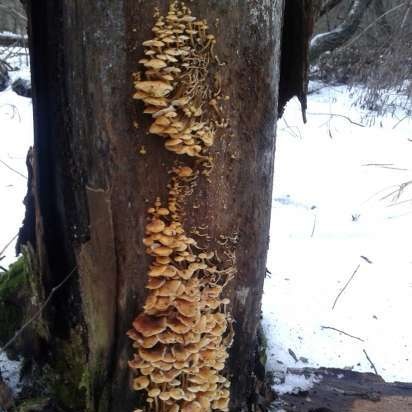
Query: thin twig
x=386 y=166
x=344 y=288
x=314 y=225
x=367 y=260
x=341 y=331
x=8 y=244
x=370 y=361
x=290 y=129
x=400 y=121
x=13 y=170
x=406 y=15
x=398 y=192
x=38 y=312
x=14 y=12
x=338 y=115
x=372 y=24
x=328 y=6
x=399 y=203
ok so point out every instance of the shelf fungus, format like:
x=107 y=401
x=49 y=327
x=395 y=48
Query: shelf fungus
x=175 y=86
x=182 y=336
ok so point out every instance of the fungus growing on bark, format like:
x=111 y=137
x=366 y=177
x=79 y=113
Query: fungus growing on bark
x=183 y=334
x=176 y=90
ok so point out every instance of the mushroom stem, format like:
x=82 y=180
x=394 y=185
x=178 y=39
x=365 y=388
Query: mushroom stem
x=156 y=402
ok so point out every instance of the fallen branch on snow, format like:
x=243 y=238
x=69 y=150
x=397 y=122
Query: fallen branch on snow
x=370 y=361
x=13 y=170
x=341 y=331
x=338 y=115
x=344 y=288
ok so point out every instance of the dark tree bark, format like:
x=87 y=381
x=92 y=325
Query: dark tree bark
x=329 y=41
x=92 y=187
x=298 y=24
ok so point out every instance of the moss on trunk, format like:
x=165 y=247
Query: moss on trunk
x=13 y=295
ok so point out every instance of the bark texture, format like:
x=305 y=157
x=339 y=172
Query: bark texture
x=92 y=187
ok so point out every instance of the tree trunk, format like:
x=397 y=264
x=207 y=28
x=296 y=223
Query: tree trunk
x=96 y=171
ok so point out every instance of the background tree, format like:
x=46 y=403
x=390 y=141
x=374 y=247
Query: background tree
x=366 y=43
x=96 y=170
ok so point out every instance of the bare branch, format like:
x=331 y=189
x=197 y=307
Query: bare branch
x=344 y=288
x=406 y=16
x=14 y=13
x=343 y=333
x=384 y=27
x=324 y=42
x=328 y=6
x=370 y=361
x=7 y=40
x=338 y=115
x=373 y=23
x=8 y=244
x=13 y=170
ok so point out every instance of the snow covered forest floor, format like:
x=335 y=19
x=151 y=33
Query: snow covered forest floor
x=341 y=208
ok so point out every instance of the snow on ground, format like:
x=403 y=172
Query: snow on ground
x=16 y=135
x=336 y=205
x=295 y=383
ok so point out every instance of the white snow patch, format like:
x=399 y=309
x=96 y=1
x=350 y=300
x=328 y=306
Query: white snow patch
x=12 y=35
x=295 y=383
x=10 y=372
x=16 y=125
x=336 y=199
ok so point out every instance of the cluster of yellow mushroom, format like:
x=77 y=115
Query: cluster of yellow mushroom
x=181 y=338
x=175 y=89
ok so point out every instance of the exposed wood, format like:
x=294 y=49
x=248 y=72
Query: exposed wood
x=340 y=390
